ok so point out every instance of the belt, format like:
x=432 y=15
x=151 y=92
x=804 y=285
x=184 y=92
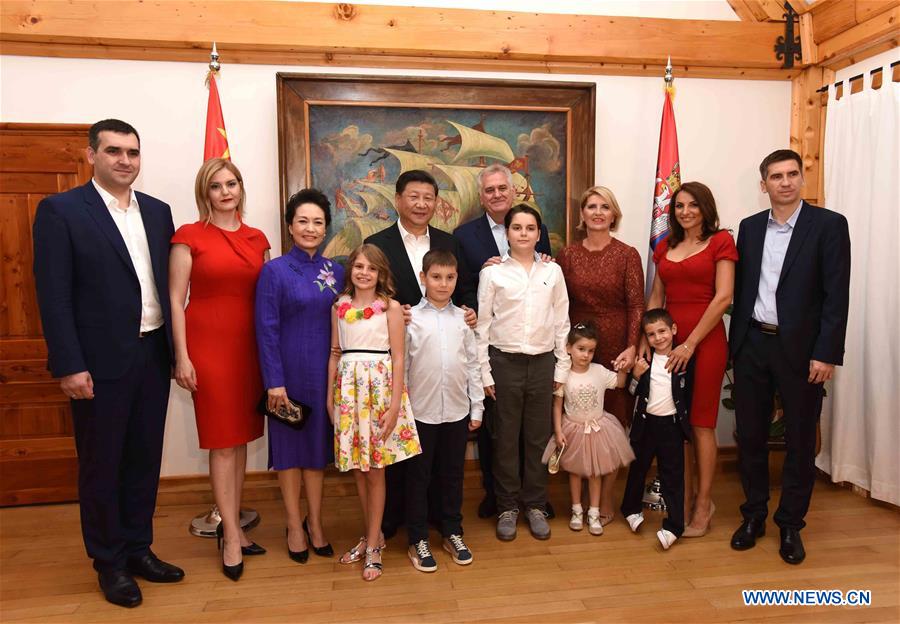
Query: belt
x=150 y=333
x=366 y=351
x=766 y=328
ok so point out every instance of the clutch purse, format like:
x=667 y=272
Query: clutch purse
x=294 y=415
x=552 y=455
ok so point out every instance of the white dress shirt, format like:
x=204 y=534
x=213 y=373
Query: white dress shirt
x=131 y=227
x=775 y=245
x=442 y=370
x=416 y=248
x=523 y=311
x=659 y=400
x=498 y=230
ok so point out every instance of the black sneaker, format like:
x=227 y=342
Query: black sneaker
x=421 y=557
x=458 y=550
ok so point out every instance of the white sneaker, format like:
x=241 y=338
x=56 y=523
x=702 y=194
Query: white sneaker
x=635 y=521
x=666 y=538
x=577 y=522
x=594 y=525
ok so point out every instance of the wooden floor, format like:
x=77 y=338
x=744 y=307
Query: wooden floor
x=620 y=577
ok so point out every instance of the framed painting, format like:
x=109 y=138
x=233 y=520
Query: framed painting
x=352 y=136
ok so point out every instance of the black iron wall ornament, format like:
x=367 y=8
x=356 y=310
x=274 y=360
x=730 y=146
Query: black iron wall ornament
x=788 y=46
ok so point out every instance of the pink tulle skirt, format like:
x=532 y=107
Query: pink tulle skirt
x=596 y=448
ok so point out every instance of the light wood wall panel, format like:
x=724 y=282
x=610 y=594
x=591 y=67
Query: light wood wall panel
x=288 y=28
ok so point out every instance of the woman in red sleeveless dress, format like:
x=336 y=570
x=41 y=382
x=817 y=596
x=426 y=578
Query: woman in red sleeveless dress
x=220 y=257
x=695 y=282
x=605 y=282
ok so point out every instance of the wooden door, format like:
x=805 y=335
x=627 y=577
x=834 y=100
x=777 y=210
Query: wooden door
x=38 y=463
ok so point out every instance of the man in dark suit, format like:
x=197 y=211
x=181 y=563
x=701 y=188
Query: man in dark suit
x=101 y=270
x=791 y=298
x=405 y=243
x=482 y=241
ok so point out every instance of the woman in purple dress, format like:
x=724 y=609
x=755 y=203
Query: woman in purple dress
x=294 y=296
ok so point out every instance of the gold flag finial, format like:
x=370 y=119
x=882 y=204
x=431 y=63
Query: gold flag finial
x=669 y=78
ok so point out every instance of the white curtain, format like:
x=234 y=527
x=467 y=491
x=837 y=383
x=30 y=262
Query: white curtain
x=861 y=434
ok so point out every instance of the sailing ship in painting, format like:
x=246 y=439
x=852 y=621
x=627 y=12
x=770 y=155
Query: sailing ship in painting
x=368 y=202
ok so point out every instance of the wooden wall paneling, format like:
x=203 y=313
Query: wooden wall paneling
x=757 y=10
x=773 y=9
x=832 y=18
x=405 y=31
x=807 y=128
x=808 y=49
x=866 y=9
x=392 y=61
x=861 y=55
x=37 y=452
x=881 y=28
x=827 y=78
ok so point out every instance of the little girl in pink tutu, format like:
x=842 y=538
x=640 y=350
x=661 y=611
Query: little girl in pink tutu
x=595 y=442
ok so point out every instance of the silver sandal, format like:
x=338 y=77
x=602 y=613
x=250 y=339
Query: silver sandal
x=373 y=565
x=354 y=554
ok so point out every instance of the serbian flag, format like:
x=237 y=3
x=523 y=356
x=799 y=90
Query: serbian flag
x=668 y=180
x=216 y=145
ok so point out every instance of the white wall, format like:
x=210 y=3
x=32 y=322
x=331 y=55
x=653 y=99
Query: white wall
x=725 y=128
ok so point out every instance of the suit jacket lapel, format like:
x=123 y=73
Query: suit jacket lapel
x=403 y=271
x=801 y=230
x=150 y=229
x=756 y=240
x=487 y=236
x=100 y=214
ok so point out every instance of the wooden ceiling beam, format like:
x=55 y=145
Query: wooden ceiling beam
x=773 y=9
x=756 y=8
x=872 y=33
x=742 y=10
x=385 y=61
x=284 y=28
x=801 y=6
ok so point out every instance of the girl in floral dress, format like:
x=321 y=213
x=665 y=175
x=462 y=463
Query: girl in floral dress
x=373 y=422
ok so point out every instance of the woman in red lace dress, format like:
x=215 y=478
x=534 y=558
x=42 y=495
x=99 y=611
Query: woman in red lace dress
x=606 y=285
x=695 y=281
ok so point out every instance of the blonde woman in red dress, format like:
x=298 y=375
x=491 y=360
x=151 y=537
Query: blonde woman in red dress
x=605 y=282
x=219 y=257
x=695 y=283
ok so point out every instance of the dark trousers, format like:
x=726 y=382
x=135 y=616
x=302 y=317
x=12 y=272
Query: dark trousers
x=760 y=368
x=443 y=457
x=395 y=481
x=524 y=388
x=662 y=438
x=485 y=447
x=395 y=490
x=119 y=438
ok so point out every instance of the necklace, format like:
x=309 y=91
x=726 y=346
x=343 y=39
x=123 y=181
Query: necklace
x=350 y=314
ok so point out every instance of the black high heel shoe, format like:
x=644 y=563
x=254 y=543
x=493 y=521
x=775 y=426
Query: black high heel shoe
x=321 y=551
x=300 y=556
x=253 y=549
x=233 y=572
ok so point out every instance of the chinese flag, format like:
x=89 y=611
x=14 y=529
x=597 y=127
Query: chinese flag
x=216 y=145
x=668 y=180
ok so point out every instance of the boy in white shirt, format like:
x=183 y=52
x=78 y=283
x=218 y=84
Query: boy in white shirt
x=444 y=382
x=523 y=324
x=660 y=428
